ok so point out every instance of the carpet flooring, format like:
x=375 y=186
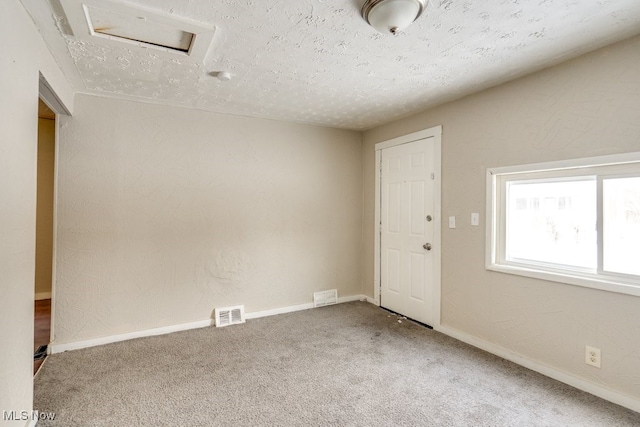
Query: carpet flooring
x=350 y=364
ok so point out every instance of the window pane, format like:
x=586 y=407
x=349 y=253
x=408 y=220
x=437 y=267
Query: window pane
x=552 y=222
x=621 y=225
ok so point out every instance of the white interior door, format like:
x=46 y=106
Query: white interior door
x=407 y=221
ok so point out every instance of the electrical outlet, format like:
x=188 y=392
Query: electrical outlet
x=592 y=356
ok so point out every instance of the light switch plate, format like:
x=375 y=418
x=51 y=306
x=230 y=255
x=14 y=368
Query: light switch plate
x=475 y=218
x=452 y=222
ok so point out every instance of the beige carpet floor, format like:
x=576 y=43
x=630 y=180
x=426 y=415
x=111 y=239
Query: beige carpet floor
x=345 y=365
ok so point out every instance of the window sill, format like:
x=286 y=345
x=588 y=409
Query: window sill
x=576 y=280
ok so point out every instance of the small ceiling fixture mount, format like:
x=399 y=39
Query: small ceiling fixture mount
x=392 y=16
x=224 y=76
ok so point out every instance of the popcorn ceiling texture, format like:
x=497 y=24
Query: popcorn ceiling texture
x=317 y=61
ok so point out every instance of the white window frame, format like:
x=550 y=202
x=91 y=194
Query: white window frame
x=603 y=167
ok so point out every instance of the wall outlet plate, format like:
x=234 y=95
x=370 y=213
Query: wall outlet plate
x=592 y=356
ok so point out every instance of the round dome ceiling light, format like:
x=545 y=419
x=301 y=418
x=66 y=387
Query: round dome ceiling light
x=392 y=16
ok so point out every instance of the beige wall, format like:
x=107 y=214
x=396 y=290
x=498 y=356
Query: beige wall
x=18 y=143
x=586 y=107
x=44 y=211
x=24 y=54
x=166 y=213
x=18 y=139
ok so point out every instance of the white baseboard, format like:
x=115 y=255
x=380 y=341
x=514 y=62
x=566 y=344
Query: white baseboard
x=292 y=308
x=281 y=310
x=43 y=295
x=549 y=371
x=59 y=348
x=371 y=300
x=352 y=298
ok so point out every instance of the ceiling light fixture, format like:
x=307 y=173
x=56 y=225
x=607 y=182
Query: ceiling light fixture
x=392 y=16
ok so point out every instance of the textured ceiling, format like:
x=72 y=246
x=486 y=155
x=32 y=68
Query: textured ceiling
x=317 y=61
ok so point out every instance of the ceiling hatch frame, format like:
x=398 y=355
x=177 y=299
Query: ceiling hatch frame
x=79 y=18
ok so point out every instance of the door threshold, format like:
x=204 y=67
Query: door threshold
x=408 y=318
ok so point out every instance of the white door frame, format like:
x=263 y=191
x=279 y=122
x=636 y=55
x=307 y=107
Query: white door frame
x=51 y=99
x=436 y=133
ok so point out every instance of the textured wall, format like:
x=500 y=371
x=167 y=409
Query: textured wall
x=24 y=54
x=586 y=107
x=165 y=213
x=18 y=143
x=44 y=213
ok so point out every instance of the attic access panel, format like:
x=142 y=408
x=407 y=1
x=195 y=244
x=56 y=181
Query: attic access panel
x=137 y=28
x=118 y=23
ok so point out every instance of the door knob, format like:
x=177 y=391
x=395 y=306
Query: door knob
x=427 y=246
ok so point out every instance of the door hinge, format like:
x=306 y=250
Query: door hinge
x=433 y=176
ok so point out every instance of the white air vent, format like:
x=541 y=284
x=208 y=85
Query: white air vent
x=229 y=315
x=322 y=298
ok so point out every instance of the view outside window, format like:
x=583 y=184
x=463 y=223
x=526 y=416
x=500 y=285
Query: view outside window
x=576 y=222
x=553 y=222
x=621 y=225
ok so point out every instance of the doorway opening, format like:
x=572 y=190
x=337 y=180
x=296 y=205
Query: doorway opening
x=44 y=232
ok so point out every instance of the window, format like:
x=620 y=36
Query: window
x=575 y=222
